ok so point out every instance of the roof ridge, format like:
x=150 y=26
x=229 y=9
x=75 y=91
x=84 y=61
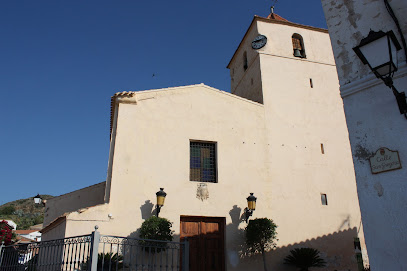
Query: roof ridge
x=275 y=16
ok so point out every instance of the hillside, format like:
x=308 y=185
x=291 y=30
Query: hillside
x=24 y=212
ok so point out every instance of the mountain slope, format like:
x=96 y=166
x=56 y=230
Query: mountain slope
x=24 y=212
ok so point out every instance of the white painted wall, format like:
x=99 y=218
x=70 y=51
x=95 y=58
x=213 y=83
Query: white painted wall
x=81 y=198
x=299 y=119
x=272 y=150
x=33 y=236
x=373 y=121
x=11 y=223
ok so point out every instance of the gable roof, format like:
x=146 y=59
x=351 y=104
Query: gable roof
x=130 y=94
x=274 y=16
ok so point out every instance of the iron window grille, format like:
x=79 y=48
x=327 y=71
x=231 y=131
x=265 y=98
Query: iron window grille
x=202 y=162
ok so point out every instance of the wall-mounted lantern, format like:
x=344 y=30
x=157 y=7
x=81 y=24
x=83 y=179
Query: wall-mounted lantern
x=251 y=206
x=37 y=199
x=379 y=51
x=160 y=199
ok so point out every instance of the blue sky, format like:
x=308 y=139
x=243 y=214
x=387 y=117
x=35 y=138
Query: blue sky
x=61 y=61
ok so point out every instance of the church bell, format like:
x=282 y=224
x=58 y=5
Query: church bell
x=297 y=53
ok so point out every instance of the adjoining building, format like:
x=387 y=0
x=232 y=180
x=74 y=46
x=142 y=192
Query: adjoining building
x=10 y=223
x=377 y=129
x=28 y=236
x=281 y=134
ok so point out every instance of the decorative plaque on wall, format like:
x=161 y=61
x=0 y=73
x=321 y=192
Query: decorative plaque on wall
x=384 y=160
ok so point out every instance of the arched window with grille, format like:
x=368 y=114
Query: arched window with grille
x=245 y=65
x=298 y=46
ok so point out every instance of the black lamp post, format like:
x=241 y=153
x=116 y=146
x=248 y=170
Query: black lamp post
x=251 y=206
x=160 y=199
x=379 y=51
x=37 y=199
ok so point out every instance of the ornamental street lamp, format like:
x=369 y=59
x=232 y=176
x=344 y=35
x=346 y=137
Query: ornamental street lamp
x=160 y=199
x=37 y=199
x=379 y=51
x=251 y=206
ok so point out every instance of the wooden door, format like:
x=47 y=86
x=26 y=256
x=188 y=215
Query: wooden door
x=206 y=236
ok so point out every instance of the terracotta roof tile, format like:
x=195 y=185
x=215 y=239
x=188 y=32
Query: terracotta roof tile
x=112 y=102
x=274 y=16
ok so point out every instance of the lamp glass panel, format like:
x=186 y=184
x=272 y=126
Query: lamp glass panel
x=386 y=69
x=376 y=52
x=251 y=205
x=37 y=200
x=160 y=200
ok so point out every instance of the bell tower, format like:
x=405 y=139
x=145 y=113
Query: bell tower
x=289 y=68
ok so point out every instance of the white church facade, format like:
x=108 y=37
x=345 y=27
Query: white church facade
x=280 y=134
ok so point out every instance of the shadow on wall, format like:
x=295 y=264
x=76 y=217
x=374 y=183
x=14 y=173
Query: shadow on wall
x=336 y=248
x=147 y=210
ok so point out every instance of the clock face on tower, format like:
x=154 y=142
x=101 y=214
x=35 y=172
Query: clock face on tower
x=259 y=42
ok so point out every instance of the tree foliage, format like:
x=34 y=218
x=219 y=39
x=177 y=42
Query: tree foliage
x=305 y=258
x=7 y=210
x=261 y=235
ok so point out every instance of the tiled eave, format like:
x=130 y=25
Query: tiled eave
x=113 y=104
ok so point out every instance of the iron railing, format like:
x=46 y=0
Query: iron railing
x=61 y=254
x=118 y=253
x=96 y=252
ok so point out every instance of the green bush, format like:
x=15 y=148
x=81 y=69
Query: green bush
x=8 y=210
x=155 y=228
x=110 y=261
x=106 y=261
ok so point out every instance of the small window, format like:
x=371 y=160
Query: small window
x=322 y=149
x=298 y=46
x=324 y=199
x=311 y=84
x=245 y=65
x=202 y=162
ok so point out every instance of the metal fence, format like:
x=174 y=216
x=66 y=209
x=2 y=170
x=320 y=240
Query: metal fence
x=96 y=252
x=61 y=254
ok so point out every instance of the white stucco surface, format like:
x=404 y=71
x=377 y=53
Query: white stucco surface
x=270 y=145
x=373 y=121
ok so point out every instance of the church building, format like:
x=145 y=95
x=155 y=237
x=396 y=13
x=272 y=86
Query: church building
x=280 y=134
